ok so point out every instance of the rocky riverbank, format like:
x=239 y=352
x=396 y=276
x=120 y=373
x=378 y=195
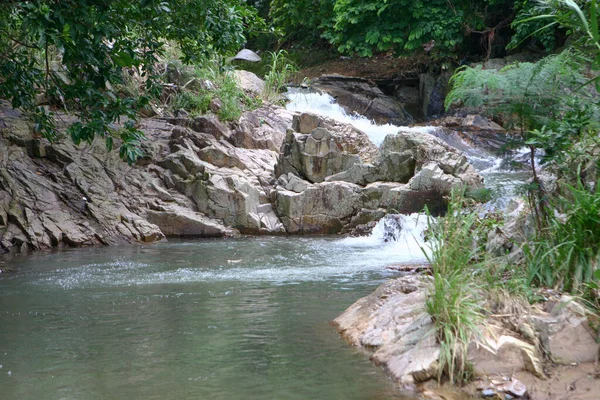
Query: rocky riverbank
x=528 y=352
x=271 y=172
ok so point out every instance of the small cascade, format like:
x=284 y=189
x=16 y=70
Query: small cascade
x=401 y=236
x=389 y=228
x=304 y=100
x=499 y=174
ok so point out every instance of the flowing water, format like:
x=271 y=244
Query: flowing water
x=243 y=318
x=497 y=171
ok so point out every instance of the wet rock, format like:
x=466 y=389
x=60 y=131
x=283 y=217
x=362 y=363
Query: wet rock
x=174 y=220
x=360 y=96
x=392 y=323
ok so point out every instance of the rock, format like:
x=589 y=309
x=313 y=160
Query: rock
x=249 y=82
x=565 y=332
x=175 y=220
x=515 y=388
x=247 y=55
x=360 y=96
x=504 y=355
x=326 y=151
x=305 y=123
x=263 y=128
x=488 y=393
x=428 y=151
x=215 y=105
x=479 y=123
x=392 y=323
x=320 y=208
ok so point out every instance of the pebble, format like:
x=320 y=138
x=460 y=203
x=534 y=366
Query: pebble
x=516 y=388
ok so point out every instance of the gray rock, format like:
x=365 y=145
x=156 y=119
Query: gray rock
x=249 y=82
x=565 y=332
x=392 y=323
x=328 y=149
x=360 y=96
x=247 y=55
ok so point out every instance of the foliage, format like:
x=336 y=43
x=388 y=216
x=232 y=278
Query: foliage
x=454 y=304
x=581 y=23
x=568 y=255
x=280 y=71
x=526 y=26
x=528 y=95
x=368 y=26
x=302 y=20
x=213 y=81
x=76 y=52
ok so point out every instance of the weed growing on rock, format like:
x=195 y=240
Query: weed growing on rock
x=454 y=303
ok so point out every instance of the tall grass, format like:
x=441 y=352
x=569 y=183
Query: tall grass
x=454 y=304
x=213 y=80
x=567 y=254
x=280 y=71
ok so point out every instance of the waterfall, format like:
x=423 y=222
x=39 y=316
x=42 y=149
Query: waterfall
x=500 y=176
x=323 y=104
x=395 y=234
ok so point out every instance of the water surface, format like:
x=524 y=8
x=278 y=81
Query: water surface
x=240 y=318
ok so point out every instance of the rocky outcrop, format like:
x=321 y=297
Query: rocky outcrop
x=194 y=181
x=392 y=324
x=329 y=172
x=270 y=172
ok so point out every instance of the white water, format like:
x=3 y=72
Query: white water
x=325 y=105
x=497 y=171
x=397 y=236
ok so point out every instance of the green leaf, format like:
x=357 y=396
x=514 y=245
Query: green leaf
x=123 y=59
x=594 y=21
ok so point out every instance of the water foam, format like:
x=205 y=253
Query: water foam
x=303 y=100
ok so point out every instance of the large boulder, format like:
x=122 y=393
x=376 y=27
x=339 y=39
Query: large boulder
x=317 y=208
x=263 y=128
x=433 y=155
x=249 y=82
x=327 y=149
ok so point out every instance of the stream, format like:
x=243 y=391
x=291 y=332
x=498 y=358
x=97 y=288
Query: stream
x=244 y=318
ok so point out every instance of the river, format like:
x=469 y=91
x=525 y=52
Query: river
x=244 y=318
x=207 y=319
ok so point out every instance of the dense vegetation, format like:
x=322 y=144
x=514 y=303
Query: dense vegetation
x=106 y=61
x=552 y=107
x=77 y=54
